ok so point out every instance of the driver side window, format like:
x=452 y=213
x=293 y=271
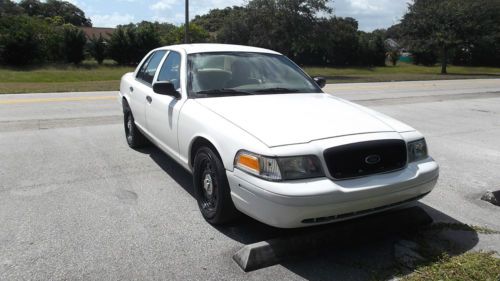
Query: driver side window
x=171 y=70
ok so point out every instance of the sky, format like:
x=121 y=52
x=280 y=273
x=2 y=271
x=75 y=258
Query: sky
x=371 y=14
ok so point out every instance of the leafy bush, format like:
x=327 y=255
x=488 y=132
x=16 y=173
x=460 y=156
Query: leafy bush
x=74 y=44
x=20 y=40
x=130 y=43
x=196 y=35
x=97 y=48
x=371 y=49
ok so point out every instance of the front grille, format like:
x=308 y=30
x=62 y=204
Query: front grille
x=365 y=158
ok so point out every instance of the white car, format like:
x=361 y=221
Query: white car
x=260 y=137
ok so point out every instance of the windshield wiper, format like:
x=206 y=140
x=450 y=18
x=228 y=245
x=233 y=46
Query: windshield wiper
x=277 y=90
x=223 y=92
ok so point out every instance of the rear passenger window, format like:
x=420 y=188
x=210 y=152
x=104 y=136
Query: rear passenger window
x=148 y=69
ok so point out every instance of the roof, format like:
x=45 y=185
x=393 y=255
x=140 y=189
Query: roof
x=209 y=48
x=392 y=43
x=90 y=32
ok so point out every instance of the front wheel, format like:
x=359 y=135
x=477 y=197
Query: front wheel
x=211 y=188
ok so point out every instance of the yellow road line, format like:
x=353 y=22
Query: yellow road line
x=60 y=99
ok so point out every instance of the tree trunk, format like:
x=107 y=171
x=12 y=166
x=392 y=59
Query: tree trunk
x=444 y=60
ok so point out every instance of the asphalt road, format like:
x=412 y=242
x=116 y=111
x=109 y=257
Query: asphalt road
x=77 y=204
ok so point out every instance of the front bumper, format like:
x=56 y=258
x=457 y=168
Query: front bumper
x=322 y=200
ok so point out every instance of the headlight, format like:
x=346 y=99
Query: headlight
x=417 y=150
x=280 y=168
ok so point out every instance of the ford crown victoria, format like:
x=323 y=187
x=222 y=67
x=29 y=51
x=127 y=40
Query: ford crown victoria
x=260 y=137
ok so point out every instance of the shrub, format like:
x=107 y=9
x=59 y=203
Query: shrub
x=130 y=43
x=74 y=44
x=97 y=48
x=20 y=40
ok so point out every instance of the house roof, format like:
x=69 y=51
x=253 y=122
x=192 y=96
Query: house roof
x=90 y=32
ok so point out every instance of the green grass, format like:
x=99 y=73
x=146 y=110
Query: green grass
x=92 y=77
x=470 y=266
x=64 y=73
x=401 y=72
x=61 y=78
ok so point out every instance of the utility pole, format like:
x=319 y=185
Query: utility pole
x=186 y=25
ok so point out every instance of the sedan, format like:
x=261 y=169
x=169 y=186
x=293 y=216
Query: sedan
x=260 y=137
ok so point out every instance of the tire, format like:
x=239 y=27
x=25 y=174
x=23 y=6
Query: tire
x=211 y=188
x=135 y=139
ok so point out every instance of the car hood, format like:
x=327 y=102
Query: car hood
x=284 y=119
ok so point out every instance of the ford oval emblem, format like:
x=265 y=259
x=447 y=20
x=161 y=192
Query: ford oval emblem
x=372 y=159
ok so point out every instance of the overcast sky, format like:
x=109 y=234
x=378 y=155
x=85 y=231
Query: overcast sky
x=371 y=14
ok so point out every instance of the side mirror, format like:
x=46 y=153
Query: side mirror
x=321 y=81
x=166 y=88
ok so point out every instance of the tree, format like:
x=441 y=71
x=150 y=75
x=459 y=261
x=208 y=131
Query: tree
x=337 y=39
x=32 y=7
x=196 y=34
x=284 y=25
x=394 y=32
x=371 y=50
x=234 y=29
x=130 y=43
x=295 y=29
x=8 y=7
x=74 y=44
x=394 y=56
x=119 y=46
x=215 y=19
x=444 y=25
x=97 y=48
x=20 y=43
x=53 y=40
x=486 y=49
x=52 y=8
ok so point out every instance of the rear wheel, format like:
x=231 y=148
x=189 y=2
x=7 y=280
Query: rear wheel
x=212 y=188
x=135 y=139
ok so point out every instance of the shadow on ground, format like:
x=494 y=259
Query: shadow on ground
x=357 y=256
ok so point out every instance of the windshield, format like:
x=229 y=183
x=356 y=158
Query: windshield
x=239 y=73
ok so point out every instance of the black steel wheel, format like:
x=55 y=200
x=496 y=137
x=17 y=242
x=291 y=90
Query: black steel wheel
x=212 y=189
x=135 y=139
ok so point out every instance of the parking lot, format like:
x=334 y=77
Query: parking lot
x=77 y=203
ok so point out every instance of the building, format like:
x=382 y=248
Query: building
x=91 y=32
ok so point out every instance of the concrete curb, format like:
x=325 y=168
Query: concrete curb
x=267 y=253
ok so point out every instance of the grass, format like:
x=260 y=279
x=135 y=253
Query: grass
x=401 y=72
x=444 y=259
x=62 y=78
x=470 y=266
x=92 y=77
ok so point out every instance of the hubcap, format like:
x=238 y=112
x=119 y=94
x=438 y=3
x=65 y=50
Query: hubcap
x=208 y=185
x=209 y=188
x=129 y=128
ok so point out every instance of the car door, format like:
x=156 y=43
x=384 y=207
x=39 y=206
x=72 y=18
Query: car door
x=162 y=113
x=140 y=91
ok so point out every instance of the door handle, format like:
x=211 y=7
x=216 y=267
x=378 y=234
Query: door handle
x=149 y=99
x=131 y=88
